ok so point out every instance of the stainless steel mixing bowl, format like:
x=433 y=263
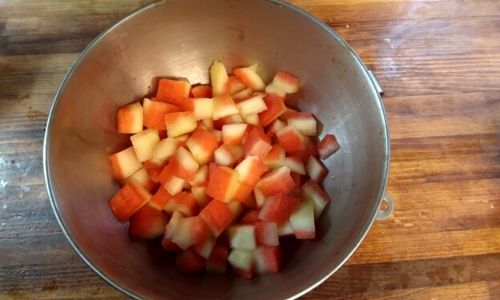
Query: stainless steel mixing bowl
x=182 y=38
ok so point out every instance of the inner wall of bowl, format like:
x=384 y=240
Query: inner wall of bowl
x=182 y=38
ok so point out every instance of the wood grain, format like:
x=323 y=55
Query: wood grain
x=439 y=64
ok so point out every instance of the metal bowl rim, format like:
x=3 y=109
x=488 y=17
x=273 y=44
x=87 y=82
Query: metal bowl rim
x=91 y=45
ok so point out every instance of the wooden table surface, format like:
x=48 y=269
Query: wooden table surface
x=439 y=63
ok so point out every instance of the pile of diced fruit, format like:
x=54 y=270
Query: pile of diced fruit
x=222 y=171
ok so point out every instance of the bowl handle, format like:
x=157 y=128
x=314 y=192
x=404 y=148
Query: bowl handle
x=375 y=82
x=386 y=207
